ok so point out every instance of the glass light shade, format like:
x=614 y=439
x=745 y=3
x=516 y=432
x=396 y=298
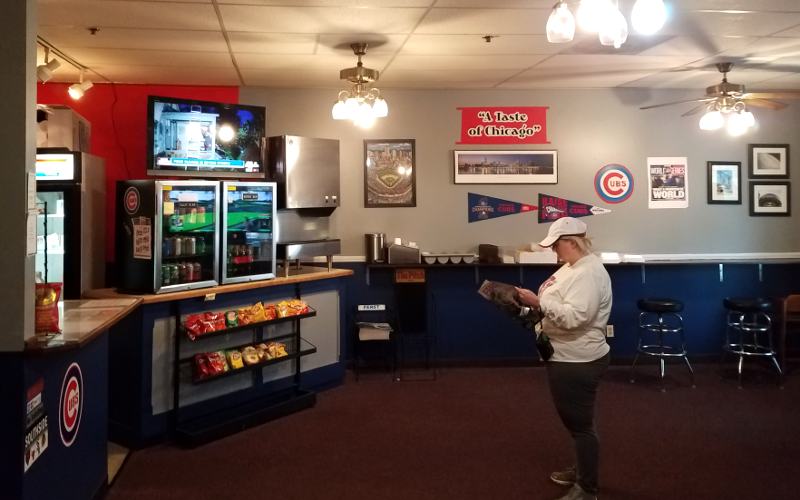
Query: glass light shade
x=380 y=109
x=339 y=111
x=648 y=16
x=351 y=104
x=737 y=124
x=364 y=117
x=614 y=30
x=591 y=14
x=76 y=90
x=560 y=24
x=712 y=120
x=749 y=118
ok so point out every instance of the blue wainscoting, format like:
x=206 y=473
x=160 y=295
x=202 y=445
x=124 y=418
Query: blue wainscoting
x=470 y=330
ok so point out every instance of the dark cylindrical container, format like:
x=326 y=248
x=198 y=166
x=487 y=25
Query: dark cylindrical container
x=374 y=243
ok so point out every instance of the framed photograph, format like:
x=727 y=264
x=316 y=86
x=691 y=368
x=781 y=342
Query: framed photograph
x=769 y=161
x=724 y=182
x=770 y=198
x=390 y=178
x=505 y=167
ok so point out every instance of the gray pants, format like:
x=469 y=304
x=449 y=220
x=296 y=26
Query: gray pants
x=573 y=387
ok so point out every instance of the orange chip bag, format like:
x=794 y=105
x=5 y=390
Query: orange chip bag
x=258 y=313
x=47 y=295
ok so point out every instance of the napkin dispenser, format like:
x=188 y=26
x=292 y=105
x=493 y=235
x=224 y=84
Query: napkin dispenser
x=401 y=254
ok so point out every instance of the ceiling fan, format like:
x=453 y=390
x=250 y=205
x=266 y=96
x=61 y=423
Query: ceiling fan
x=726 y=96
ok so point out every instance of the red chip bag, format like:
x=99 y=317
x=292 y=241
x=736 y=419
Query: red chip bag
x=47 y=295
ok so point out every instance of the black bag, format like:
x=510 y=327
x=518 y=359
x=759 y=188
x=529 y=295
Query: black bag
x=544 y=346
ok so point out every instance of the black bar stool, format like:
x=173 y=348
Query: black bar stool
x=658 y=318
x=749 y=331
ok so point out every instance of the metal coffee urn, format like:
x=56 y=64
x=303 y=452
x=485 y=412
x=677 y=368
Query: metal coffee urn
x=374 y=243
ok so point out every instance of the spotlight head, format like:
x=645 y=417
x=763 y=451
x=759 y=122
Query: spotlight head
x=44 y=72
x=76 y=90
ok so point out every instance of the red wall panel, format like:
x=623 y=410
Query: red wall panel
x=118 y=114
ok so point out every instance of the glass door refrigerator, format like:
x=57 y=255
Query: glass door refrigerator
x=70 y=223
x=167 y=235
x=248 y=238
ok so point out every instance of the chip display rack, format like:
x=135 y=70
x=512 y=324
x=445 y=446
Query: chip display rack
x=198 y=423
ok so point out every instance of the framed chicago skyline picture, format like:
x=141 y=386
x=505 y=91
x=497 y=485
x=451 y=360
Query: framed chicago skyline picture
x=505 y=167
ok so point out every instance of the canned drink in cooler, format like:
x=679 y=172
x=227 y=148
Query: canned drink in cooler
x=175 y=275
x=197 y=273
x=201 y=214
x=200 y=245
x=189 y=246
x=183 y=272
x=166 y=275
x=165 y=248
x=177 y=250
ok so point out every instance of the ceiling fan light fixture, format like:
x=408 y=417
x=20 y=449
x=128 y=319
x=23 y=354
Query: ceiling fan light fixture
x=360 y=104
x=591 y=14
x=560 y=24
x=648 y=16
x=614 y=29
x=712 y=120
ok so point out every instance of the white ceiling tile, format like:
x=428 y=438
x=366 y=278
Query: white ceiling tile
x=484 y=22
x=476 y=45
x=465 y=78
x=412 y=63
x=120 y=14
x=298 y=64
x=791 y=32
x=66 y=37
x=689 y=79
x=498 y=4
x=272 y=43
x=319 y=19
x=157 y=1
x=704 y=24
x=279 y=78
x=332 y=3
x=534 y=79
x=686 y=45
x=766 y=49
x=745 y=5
x=180 y=76
x=784 y=82
x=171 y=58
x=340 y=43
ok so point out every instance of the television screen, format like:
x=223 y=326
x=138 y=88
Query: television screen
x=205 y=139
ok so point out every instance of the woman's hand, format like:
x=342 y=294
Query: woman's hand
x=527 y=297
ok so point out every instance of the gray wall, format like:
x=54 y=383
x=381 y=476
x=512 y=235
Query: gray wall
x=588 y=128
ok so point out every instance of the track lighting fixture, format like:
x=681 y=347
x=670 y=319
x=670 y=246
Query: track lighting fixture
x=76 y=90
x=44 y=72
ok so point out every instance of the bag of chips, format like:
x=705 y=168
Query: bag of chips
x=47 y=295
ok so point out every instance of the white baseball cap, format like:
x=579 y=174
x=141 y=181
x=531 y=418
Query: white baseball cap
x=565 y=226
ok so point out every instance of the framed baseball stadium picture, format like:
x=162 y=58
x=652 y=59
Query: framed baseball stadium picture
x=390 y=173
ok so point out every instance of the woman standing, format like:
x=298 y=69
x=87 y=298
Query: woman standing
x=575 y=303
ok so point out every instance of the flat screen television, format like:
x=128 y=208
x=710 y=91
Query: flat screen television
x=190 y=138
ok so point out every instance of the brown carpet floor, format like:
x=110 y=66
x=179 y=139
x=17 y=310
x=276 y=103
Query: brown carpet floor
x=492 y=433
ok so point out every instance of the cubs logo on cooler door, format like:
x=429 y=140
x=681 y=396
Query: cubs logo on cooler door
x=70 y=404
x=131 y=199
x=613 y=183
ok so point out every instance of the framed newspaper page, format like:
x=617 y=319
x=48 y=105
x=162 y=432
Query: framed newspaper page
x=667 y=182
x=724 y=182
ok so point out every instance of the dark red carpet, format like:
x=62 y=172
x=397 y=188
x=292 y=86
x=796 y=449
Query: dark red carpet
x=491 y=433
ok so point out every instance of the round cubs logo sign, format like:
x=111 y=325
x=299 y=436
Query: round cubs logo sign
x=131 y=200
x=613 y=183
x=70 y=404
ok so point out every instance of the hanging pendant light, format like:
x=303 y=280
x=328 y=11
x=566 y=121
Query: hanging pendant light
x=560 y=24
x=614 y=29
x=648 y=16
x=360 y=103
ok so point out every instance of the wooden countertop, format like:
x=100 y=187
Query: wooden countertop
x=305 y=274
x=81 y=321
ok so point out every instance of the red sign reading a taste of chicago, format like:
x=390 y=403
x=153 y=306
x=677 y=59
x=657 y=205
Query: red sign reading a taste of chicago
x=504 y=125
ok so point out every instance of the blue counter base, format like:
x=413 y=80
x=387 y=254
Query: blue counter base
x=230 y=421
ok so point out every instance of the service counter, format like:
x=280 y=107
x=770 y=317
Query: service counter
x=144 y=356
x=55 y=395
x=470 y=330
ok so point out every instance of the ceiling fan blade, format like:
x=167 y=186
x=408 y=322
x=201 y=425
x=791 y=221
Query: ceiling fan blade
x=765 y=103
x=702 y=99
x=781 y=94
x=694 y=110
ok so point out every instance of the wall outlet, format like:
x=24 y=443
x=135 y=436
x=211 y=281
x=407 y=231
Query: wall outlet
x=609 y=330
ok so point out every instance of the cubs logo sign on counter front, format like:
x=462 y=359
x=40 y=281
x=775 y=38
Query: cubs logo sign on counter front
x=70 y=404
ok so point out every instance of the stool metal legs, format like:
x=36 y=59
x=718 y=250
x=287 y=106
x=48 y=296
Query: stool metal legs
x=742 y=339
x=661 y=350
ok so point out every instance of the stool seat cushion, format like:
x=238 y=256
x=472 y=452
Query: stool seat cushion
x=660 y=305
x=748 y=304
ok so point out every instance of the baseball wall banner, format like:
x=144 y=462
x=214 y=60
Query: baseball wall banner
x=504 y=125
x=553 y=208
x=481 y=207
x=613 y=183
x=667 y=182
